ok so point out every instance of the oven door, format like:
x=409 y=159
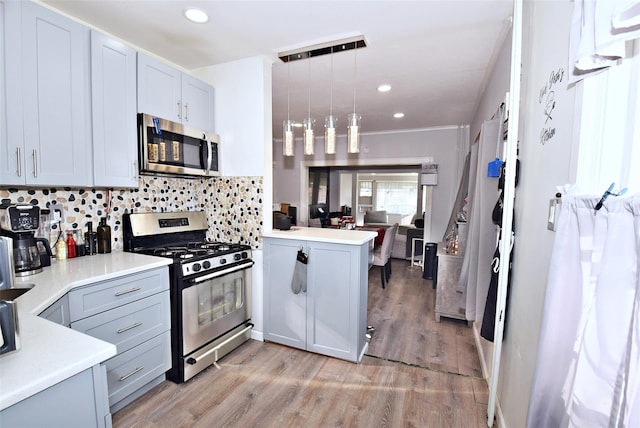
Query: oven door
x=215 y=303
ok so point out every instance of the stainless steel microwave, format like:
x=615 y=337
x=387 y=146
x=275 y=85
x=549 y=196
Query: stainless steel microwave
x=169 y=148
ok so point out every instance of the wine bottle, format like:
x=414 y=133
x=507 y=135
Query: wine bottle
x=104 y=236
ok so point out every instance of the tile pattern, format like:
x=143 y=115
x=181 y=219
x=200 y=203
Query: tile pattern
x=233 y=204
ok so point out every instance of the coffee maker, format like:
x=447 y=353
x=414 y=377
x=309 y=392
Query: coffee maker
x=20 y=222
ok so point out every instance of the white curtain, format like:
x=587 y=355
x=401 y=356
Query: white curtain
x=587 y=370
x=475 y=274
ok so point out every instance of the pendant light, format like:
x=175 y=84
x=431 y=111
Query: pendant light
x=353 y=120
x=308 y=122
x=287 y=125
x=330 y=122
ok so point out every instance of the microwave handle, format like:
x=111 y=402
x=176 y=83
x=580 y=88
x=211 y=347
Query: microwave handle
x=209 y=156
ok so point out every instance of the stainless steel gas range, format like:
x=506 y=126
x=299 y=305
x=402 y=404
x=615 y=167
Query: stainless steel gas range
x=210 y=287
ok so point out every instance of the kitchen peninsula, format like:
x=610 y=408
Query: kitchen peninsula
x=325 y=309
x=59 y=373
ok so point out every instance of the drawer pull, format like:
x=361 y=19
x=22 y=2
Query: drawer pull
x=133 y=290
x=125 y=377
x=134 y=325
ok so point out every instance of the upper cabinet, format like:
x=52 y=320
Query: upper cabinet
x=113 y=109
x=48 y=140
x=170 y=94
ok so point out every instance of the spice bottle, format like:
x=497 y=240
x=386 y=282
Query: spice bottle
x=80 y=247
x=90 y=240
x=61 y=248
x=104 y=236
x=71 y=245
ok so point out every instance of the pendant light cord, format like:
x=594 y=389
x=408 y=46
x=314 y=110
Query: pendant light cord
x=355 y=65
x=288 y=89
x=331 y=90
x=309 y=82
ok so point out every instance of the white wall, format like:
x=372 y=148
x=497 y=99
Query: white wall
x=242 y=113
x=243 y=120
x=544 y=165
x=441 y=144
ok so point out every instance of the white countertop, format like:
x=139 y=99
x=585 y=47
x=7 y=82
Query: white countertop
x=50 y=353
x=318 y=234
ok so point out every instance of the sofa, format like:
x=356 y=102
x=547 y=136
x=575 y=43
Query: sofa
x=401 y=245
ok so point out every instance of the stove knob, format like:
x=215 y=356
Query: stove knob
x=237 y=257
x=223 y=261
x=196 y=267
x=244 y=255
x=206 y=264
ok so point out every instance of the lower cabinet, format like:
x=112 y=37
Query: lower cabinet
x=330 y=316
x=78 y=401
x=450 y=299
x=133 y=313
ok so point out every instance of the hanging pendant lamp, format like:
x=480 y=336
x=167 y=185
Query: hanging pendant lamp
x=309 y=122
x=353 y=120
x=287 y=125
x=330 y=123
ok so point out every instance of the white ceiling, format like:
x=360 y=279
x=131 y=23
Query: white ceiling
x=434 y=54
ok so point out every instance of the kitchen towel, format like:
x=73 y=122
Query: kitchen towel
x=299 y=282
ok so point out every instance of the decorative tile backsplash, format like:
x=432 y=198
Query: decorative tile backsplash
x=233 y=204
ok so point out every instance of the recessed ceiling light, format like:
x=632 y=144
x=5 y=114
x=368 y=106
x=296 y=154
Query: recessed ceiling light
x=398 y=115
x=196 y=15
x=384 y=88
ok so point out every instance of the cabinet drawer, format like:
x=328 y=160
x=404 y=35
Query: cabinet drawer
x=130 y=324
x=131 y=370
x=102 y=296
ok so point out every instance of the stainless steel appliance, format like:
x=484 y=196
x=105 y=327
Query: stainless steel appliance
x=210 y=287
x=170 y=148
x=20 y=223
x=9 y=330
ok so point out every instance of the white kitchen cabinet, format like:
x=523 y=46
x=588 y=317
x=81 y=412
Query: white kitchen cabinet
x=48 y=130
x=330 y=318
x=132 y=312
x=58 y=312
x=113 y=111
x=168 y=93
x=76 y=402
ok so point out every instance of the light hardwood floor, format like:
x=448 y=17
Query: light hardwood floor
x=417 y=373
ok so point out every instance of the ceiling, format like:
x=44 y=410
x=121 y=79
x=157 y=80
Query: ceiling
x=435 y=54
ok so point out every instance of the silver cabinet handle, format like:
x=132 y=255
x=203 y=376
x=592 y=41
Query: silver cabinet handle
x=186 y=112
x=179 y=110
x=134 y=325
x=19 y=160
x=34 y=154
x=133 y=290
x=125 y=377
x=134 y=169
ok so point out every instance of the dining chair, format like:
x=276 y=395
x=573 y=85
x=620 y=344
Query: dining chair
x=382 y=254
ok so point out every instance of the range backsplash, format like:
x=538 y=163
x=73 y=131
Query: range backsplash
x=233 y=204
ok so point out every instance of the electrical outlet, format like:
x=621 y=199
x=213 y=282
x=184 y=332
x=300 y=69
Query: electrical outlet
x=57 y=215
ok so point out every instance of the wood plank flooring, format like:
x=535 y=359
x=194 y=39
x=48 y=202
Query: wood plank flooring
x=417 y=373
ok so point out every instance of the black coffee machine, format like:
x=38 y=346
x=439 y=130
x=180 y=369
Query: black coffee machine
x=20 y=222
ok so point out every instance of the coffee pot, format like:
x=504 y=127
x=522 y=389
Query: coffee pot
x=9 y=331
x=20 y=222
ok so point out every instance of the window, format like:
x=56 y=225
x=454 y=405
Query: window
x=609 y=129
x=397 y=197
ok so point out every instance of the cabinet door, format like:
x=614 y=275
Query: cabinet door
x=55 y=87
x=159 y=89
x=197 y=103
x=12 y=164
x=285 y=313
x=113 y=102
x=334 y=300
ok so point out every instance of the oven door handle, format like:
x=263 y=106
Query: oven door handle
x=223 y=272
